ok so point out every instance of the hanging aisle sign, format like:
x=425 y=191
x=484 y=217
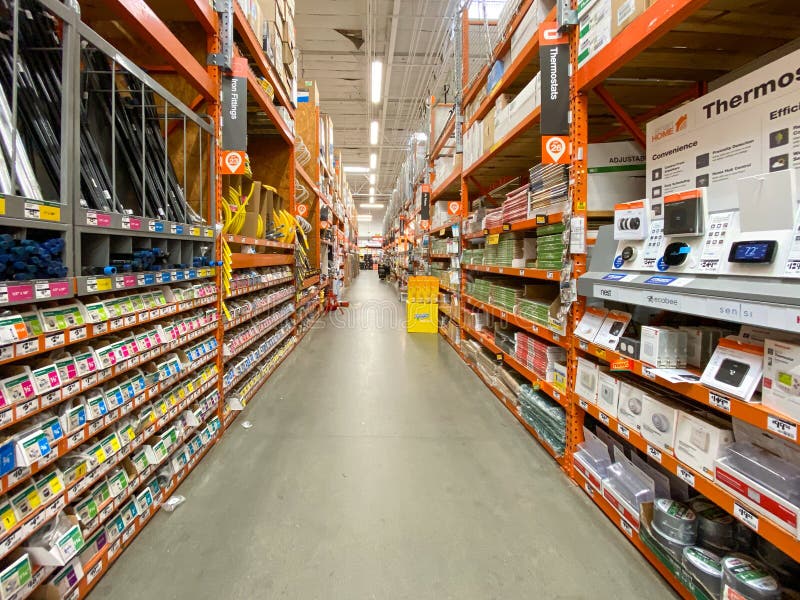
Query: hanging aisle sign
x=554 y=61
x=425 y=209
x=234 y=107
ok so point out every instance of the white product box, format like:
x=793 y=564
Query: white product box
x=14 y=577
x=55 y=552
x=629 y=406
x=699 y=439
x=590 y=323
x=608 y=394
x=615 y=176
x=659 y=421
x=612 y=329
x=586 y=380
x=630 y=220
x=594 y=22
x=700 y=344
x=735 y=368
x=529 y=26
x=657 y=347
x=781 y=384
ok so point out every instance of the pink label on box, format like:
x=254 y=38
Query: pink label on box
x=129 y=281
x=103 y=220
x=59 y=289
x=72 y=371
x=134 y=223
x=54 y=380
x=27 y=389
x=20 y=293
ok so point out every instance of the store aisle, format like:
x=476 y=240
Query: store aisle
x=379 y=466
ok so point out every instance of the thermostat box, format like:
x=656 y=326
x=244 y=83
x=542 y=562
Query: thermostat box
x=659 y=421
x=590 y=323
x=700 y=344
x=612 y=329
x=781 y=384
x=608 y=393
x=586 y=380
x=699 y=439
x=734 y=368
x=659 y=347
x=629 y=406
x=684 y=213
x=630 y=221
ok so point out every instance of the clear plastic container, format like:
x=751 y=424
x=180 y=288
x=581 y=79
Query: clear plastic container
x=594 y=454
x=777 y=475
x=629 y=484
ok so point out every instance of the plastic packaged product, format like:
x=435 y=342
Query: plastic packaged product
x=745 y=579
x=766 y=469
x=675 y=520
x=629 y=485
x=593 y=459
x=705 y=567
x=716 y=529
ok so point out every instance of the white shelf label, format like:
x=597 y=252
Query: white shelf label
x=719 y=402
x=686 y=475
x=583 y=404
x=782 y=428
x=654 y=453
x=745 y=516
x=52 y=340
x=625 y=526
x=604 y=419
x=623 y=431
x=648 y=372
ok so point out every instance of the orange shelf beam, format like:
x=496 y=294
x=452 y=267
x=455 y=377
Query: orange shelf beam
x=648 y=27
x=145 y=24
x=253 y=46
x=205 y=15
x=251 y=261
x=548 y=275
x=525 y=324
x=240 y=239
x=526 y=123
x=449 y=181
x=517 y=226
x=446 y=133
x=268 y=107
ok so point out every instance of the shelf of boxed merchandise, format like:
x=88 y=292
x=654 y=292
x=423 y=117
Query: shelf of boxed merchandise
x=549 y=275
x=548 y=388
x=450 y=187
x=651 y=65
x=522 y=323
x=526 y=225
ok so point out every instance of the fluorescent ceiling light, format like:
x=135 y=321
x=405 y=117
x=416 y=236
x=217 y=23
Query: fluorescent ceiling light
x=373 y=133
x=372 y=178
x=366 y=217
x=372 y=199
x=377 y=75
x=373 y=161
x=421 y=136
x=372 y=206
x=354 y=169
x=371 y=191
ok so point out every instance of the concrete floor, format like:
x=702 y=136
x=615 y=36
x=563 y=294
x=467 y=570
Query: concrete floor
x=379 y=466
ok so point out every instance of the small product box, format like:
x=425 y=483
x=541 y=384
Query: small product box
x=626 y=487
x=700 y=344
x=781 y=385
x=586 y=380
x=608 y=394
x=612 y=329
x=735 y=368
x=630 y=221
x=658 y=347
x=590 y=324
x=699 y=440
x=15 y=576
x=659 y=421
x=629 y=407
x=56 y=543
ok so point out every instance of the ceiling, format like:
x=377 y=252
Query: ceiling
x=408 y=36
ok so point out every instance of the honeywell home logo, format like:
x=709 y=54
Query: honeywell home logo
x=673 y=127
x=662 y=300
x=722 y=105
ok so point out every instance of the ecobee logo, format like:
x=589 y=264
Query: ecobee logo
x=662 y=300
x=678 y=125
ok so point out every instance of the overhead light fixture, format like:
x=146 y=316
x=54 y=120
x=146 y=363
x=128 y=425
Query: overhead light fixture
x=355 y=169
x=371 y=190
x=372 y=178
x=373 y=133
x=372 y=199
x=367 y=217
x=373 y=161
x=371 y=206
x=421 y=136
x=377 y=75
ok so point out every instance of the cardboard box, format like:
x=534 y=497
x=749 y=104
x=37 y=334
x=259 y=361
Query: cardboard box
x=659 y=421
x=586 y=380
x=781 y=383
x=629 y=406
x=624 y=12
x=699 y=439
x=608 y=394
x=735 y=368
x=488 y=129
x=594 y=25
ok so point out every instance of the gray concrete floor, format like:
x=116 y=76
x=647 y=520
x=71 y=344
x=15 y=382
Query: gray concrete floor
x=379 y=466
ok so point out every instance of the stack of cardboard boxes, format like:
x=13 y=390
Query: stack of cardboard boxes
x=601 y=20
x=272 y=22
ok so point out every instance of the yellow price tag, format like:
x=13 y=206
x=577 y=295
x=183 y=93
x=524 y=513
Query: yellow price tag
x=493 y=239
x=100 y=455
x=34 y=500
x=2 y=205
x=163 y=407
x=50 y=213
x=81 y=470
x=103 y=285
x=600 y=353
x=130 y=433
x=9 y=518
x=181 y=393
x=152 y=417
x=195 y=231
x=55 y=485
x=115 y=445
x=190 y=386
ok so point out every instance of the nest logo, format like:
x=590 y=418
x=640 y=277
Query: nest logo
x=674 y=127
